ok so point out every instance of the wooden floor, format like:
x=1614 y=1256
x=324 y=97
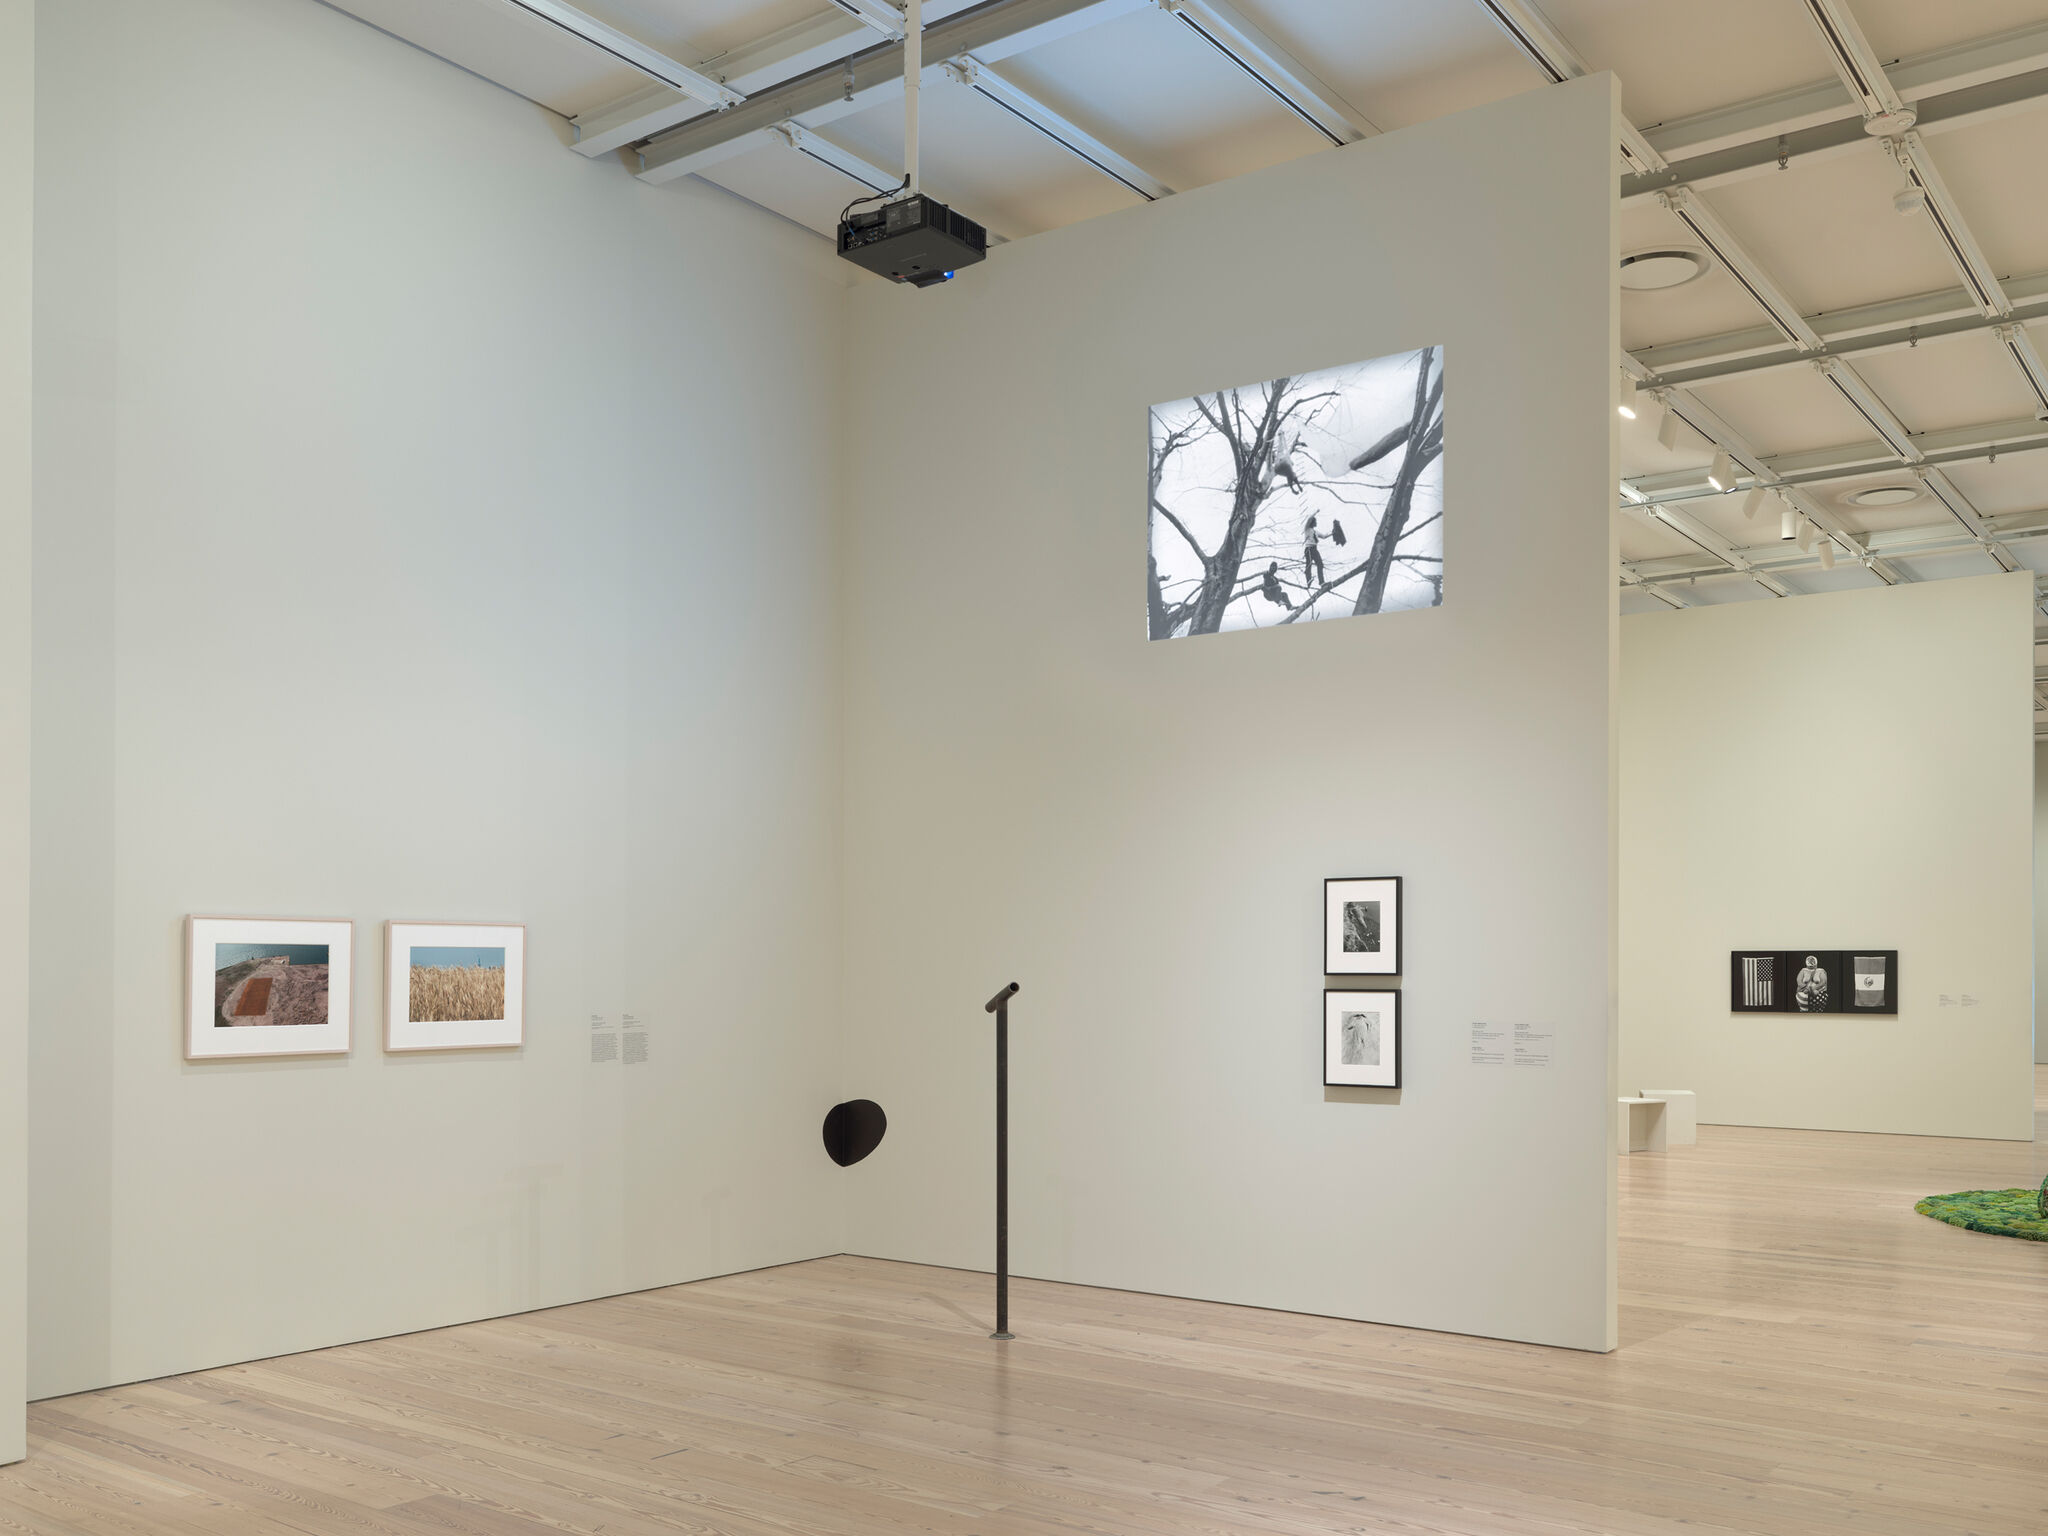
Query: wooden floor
x=1800 y=1353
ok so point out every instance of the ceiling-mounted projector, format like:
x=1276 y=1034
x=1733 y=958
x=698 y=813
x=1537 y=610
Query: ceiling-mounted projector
x=910 y=238
x=915 y=239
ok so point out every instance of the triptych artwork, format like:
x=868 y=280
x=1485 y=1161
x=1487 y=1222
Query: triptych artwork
x=1814 y=981
x=281 y=986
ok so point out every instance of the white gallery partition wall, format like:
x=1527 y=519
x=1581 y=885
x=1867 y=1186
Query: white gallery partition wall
x=17 y=178
x=383 y=573
x=1843 y=772
x=1138 y=830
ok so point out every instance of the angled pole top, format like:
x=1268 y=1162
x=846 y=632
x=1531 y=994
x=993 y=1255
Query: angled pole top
x=1001 y=998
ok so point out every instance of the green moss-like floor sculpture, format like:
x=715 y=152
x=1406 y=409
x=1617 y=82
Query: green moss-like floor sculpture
x=2007 y=1212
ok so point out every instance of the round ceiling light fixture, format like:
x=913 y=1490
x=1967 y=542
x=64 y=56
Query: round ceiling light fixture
x=1665 y=267
x=1883 y=496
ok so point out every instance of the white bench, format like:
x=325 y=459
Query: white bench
x=1639 y=1125
x=1681 y=1114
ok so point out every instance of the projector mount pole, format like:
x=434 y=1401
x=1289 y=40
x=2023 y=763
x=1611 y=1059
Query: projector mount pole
x=913 y=77
x=999 y=1005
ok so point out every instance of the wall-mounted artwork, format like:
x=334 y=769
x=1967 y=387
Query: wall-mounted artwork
x=1362 y=926
x=454 y=986
x=1814 y=981
x=1310 y=496
x=1756 y=981
x=259 y=986
x=1361 y=1039
x=1871 y=981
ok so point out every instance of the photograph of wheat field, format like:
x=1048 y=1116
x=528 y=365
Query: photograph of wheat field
x=456 y=983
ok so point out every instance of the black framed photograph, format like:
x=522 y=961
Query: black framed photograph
x=1757 y=982
x=1870 y=981
x=1362 y=926
x=1361 y=1039
x=1816 y=980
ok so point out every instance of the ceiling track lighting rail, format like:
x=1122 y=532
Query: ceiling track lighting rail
x=808 y=141
x=876 y=15
x=1853 y=58
x=1691 y=485
x=1962 y=247
x=1863 y=400
x=1531 y=32
x=1035 y=114
x=1903 y=324
x=630 y=51
x=1276 y=71
x=868 y=78
x=1690 y=528
x=2026 y=357
x=1950 y=109
x=1692 y=211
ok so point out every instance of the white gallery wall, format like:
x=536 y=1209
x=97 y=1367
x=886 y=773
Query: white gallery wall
x=412 y=541
x=1834 y=772
x=1138 y=831
x=17 y=182
x=2040 y=900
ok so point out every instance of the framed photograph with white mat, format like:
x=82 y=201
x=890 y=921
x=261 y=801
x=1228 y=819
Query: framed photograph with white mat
x=454 y=986
x=1361 y=1039
x=267 y=986
x=1362 y=926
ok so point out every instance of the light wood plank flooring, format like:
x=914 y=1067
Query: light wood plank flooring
x=1801 y=1354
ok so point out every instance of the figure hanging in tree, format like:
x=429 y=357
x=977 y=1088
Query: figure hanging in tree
x=1270 y=587
x=1337 y=532
x=1283 y=463
x=1312 y=573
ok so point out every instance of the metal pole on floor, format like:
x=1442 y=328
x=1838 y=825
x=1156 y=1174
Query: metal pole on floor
x=999 y=1005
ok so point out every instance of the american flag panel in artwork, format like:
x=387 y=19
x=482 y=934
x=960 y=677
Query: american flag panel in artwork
x=1759 y=974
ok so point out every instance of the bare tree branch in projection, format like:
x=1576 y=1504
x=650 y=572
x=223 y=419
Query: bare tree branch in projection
x=1250 y=490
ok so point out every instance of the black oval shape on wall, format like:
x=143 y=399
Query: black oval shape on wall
x=853 y=1130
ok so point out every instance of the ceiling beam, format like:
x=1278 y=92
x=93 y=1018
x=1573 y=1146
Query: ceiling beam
x=1075 y=140
x=629 y=51
x=1878 y=327
x=794 y=50
x=990 y=31
x=1820 y=466
x=1279 y=73
x=1542 y=45
x=1772 y=151
x=1692 y=210
x=1917 y=76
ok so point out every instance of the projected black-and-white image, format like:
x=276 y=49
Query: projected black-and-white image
x=1311 y=496
x=1361 y=1039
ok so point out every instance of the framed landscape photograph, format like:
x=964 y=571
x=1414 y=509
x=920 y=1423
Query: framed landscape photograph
x=1870 y=981
x=266 y=986
x=454 y=986
x=1361 y=1039
x=1362 y=926
x=1757 y=981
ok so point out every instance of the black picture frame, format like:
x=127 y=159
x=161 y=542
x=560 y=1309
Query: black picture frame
x=1758 y=981
x=1799 y=963
x=1886 y=999
x=1384 y=894
x=1388 y=1073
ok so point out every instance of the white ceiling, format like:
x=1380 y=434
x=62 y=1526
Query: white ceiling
x=1823 y=228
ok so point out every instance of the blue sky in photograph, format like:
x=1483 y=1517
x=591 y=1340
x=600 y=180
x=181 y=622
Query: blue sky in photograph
x=225 y=955
x=492 y=958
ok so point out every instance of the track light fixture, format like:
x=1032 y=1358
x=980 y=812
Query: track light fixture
x=1827 y=554
x=1722 y=475
x=1807 y=534
x=1752 y=503
x=1788 y=523
x=1625 y=404
x=1667 y=425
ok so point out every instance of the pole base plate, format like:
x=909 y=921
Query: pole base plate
x=1002 y=1335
